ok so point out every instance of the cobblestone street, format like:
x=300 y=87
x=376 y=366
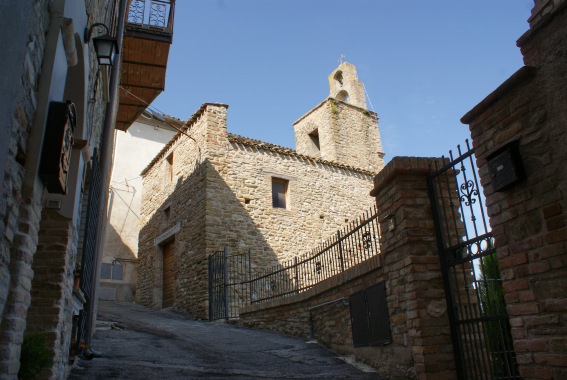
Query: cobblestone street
x=139 y=343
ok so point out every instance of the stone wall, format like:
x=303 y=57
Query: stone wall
x=36 y=75
x=221 y=195
x=409 y=266
x=170 y=201
x=529 y=219
x=347 y=135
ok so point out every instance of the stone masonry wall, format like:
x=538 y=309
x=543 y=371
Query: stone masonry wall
x=347 y=134
x=227 y=201
x=20 y=214
x=21 y=206
x=184 y=196
x=529 y=220
x=409 y=266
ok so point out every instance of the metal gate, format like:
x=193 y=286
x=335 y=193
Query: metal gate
x=90 y=241
x=480 y=326
x=229 y=284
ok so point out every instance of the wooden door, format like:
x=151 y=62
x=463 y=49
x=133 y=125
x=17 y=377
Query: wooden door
x=168 y=275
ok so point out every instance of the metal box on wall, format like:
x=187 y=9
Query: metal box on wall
x=57 y=146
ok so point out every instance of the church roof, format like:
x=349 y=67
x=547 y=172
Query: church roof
x=290 y=152
x=258 y=144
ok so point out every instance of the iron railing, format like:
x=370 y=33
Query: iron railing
x=356 y=243
x=480 y=327
x=229 y=284
x=156 y=15
x=90 y=241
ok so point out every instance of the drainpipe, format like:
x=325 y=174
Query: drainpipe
x=106 y=155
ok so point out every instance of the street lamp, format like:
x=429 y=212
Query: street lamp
x=105 y=46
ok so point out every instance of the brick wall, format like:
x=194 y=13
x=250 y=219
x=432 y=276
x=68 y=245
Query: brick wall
x=409 y=266
x=529 y=219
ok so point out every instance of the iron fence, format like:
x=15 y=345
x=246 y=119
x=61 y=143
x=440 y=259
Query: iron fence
x=348 y=247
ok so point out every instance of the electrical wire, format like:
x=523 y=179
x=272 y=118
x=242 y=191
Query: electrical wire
x=122 y=199
x=368 y=97
x=148 y=105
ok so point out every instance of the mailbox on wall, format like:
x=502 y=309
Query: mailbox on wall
x=505 y=166
x=57 y=146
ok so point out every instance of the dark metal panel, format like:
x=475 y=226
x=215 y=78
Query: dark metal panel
x=378 y=316
x=359 y=319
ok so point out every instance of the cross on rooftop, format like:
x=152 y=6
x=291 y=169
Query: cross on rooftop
x=342 y=59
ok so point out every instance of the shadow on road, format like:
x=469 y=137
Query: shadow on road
x=139 y=343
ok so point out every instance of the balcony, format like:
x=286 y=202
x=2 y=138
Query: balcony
x=145 y=50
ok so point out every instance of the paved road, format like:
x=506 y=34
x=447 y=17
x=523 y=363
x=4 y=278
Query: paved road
x=148 y=344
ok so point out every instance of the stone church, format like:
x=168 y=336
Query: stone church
x=208 y=189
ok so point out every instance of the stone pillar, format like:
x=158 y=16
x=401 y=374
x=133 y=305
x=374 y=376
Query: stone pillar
x=416 y=298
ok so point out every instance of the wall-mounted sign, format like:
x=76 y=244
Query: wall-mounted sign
x=57 y=146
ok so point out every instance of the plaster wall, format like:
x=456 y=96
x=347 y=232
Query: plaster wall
x=134 y=150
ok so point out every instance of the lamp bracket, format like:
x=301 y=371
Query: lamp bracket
x=88 y=31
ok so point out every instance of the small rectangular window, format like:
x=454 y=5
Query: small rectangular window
x=117 y=272
x=167 y=213
x=111 y=271
x=169 y=167
x=105 y=271
x=315 y=141
x=279 y=193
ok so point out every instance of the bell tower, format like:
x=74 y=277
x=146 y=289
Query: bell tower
x=340 y=128
x=345 y=86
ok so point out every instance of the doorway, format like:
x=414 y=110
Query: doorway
x=168 y=275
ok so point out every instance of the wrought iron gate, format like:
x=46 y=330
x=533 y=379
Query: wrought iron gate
x=480 y=327
x=229 y=284
x=90 y=241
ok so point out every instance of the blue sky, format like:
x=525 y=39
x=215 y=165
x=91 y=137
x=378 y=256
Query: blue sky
x=424 y=63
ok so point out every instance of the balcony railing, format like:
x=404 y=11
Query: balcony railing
x=153 y=15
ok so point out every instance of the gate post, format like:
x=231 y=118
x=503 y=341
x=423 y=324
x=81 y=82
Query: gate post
x=414 y=287
x=225 y=258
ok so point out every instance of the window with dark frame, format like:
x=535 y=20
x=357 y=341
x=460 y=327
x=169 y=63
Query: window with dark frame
x=279 y=192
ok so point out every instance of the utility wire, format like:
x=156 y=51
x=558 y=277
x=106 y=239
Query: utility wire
x=148 y=105
x=126 y=203
x=368 y=97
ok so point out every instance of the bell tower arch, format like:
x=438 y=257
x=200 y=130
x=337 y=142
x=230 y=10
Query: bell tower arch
x=345 y=86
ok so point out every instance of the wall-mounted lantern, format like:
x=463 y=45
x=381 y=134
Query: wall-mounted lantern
x=105 y=46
